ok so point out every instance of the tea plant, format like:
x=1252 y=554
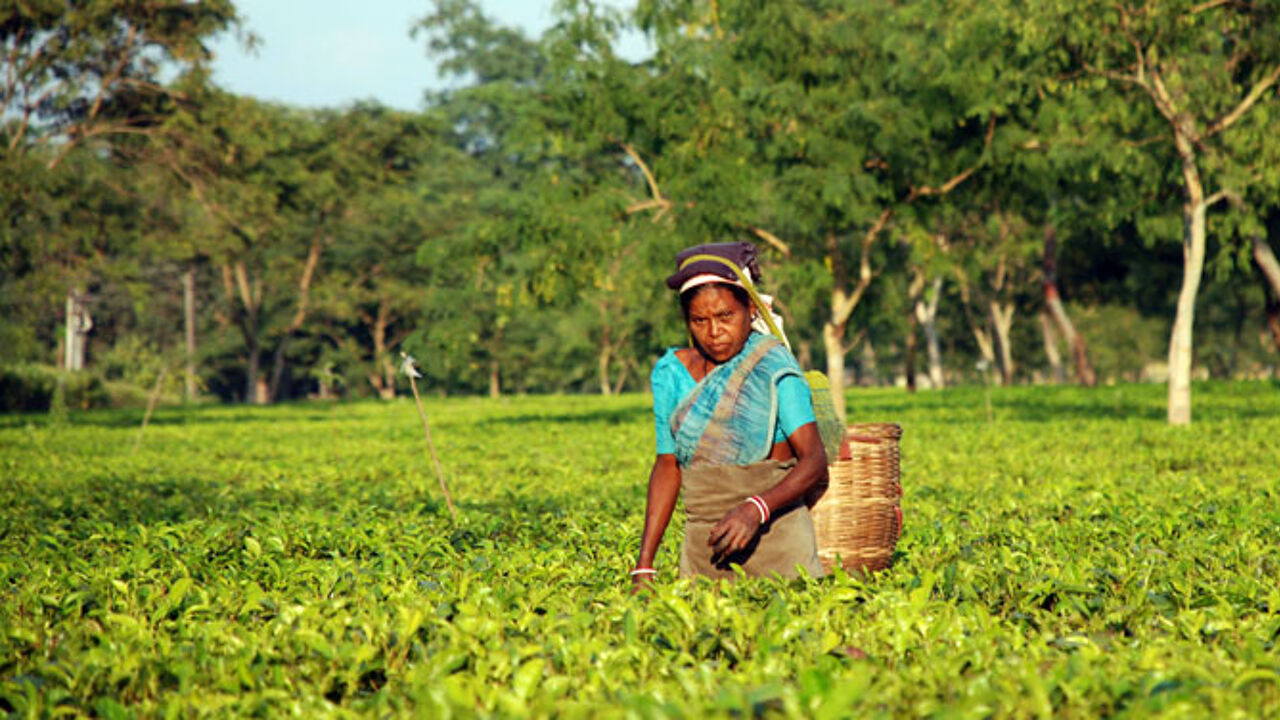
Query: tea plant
x=1072 y=556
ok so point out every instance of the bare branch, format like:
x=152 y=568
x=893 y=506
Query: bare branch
x=1140 y=62
x=26 y=118
x=648 y=175
x=1143 y=142
x=1164 y=101
x=647 y=205
x=953 y=183
x=1211 y=4
x=844 y=306
x=661 y=203
x=1249 y=100
x=773 y=240
x=857 y=339
x=304 y=284
x=114 y=75
x=242 y=281
x=1226 y=194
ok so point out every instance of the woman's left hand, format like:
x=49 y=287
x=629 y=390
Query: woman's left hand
x=735 y=531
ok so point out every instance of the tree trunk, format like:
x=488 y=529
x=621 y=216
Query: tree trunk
x=910 y=360
x=71 y=360
x=1001 y=322
x=76 y=337
x=914 y=290
x=1193 y=248
x=236 y=278
x=1267 y=263
x=986 y=347
x=1057 y=373
x=1053 y=303
x=843 y=303
x=189 y=331
x=251 y=379
x=623 y=374
x=603 y=371
x=603 y=358
x=383 y=377
x=927 y=314
x=1079 y=349
x=304 y=296
x=495 y=384
x=833 y=341
x=1273 y=321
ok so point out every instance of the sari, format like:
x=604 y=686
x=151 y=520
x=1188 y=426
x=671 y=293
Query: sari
x=724 y=431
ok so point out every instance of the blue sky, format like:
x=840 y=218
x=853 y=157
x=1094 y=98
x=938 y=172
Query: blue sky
x=332 y=52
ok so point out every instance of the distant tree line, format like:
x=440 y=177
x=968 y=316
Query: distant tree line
x=943 y=192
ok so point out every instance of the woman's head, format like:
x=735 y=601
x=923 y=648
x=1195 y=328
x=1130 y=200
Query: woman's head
x=718 y=316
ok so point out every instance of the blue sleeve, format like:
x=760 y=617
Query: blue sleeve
x=795 y=404
x=664 y=403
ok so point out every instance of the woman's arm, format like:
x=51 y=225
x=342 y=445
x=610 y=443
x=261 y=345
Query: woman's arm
x=664 y=488
x=741 y=523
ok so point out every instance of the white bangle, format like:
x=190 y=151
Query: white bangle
x=644 y=571
x=761 y=507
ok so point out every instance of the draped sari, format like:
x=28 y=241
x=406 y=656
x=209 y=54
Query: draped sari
x=724 y=432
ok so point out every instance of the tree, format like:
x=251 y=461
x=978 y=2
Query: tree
x=77 y=71
x=1206 y=73
x=853 y=117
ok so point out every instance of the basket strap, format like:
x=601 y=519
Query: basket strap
x=750 y=287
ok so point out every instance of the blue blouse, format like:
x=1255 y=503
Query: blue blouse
x=671 y=382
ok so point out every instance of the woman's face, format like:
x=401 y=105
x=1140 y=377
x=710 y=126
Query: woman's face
x=719 y=323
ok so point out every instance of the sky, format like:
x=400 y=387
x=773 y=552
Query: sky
x=328 y=53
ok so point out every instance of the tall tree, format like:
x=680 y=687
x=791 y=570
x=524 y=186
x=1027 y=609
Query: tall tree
x=1207 y=74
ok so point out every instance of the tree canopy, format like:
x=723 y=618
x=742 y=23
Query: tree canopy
x=1001 y=185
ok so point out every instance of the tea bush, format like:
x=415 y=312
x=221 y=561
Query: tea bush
x=1066 y=553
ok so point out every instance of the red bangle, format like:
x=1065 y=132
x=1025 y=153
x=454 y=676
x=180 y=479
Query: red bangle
x=761 y=506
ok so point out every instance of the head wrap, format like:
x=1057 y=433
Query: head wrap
x=703 y=272
x=742 y=254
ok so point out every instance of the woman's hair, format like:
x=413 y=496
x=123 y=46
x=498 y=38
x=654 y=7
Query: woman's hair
x=686 y=297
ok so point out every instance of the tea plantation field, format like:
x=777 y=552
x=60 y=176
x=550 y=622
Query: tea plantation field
x=1070 y=555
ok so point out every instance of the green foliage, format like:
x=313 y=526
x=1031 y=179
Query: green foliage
x=37 y=388
x=1074 y=556
x=27 y=388
x=514 y=234
x=77 y=70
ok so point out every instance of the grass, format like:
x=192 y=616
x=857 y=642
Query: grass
x=1074 y=556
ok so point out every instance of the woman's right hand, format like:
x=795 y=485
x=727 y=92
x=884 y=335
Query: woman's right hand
x=735 y=531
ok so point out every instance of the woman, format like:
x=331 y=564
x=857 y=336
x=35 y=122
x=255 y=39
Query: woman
x=735 y=429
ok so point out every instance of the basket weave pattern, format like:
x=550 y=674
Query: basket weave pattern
x=857 y=514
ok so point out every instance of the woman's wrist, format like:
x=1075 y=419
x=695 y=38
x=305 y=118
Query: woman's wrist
x=761 y=507
x=639 y=571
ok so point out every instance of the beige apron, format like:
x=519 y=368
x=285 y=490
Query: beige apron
x=781 y=546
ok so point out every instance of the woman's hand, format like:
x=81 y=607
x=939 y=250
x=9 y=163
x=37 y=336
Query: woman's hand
x=735 y=531
x=664 y=488
x=740 y=525
x=641 y=583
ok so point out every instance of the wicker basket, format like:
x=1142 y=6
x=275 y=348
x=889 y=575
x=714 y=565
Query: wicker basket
x=856 y=513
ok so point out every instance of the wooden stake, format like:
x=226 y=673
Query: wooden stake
x=151 y=406
x=412 y=372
